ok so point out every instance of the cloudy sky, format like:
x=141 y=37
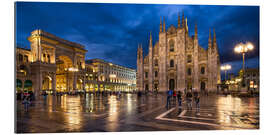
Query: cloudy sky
x=112 y=31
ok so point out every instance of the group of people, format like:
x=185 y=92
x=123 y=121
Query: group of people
x=188 y=95
x=27 y=98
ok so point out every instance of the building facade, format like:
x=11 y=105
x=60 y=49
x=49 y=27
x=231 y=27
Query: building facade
x=56 y=64
x=106 y=76
x=178 y=62
x=249 y=82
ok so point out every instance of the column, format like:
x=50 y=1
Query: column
x=54 y=82
x=38 y=85
x=74 y=81
x=84 y=83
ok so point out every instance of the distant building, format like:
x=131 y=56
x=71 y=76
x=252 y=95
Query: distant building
x=252 y=79
x=177 y=61
x=102 y=75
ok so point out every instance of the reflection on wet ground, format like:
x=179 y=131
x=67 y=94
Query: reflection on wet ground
x=92 y=113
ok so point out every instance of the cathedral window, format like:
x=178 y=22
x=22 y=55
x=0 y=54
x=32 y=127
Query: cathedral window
x=189 y=71
x=171 y=45
x=171 y=63
x=202 y=70
x=156 y=62
x=189 y=59
x=146 y=74
x=156 y=74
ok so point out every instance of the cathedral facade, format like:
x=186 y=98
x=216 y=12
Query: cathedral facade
x=178 y=62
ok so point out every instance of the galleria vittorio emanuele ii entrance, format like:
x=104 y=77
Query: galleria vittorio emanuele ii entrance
x=52 y=64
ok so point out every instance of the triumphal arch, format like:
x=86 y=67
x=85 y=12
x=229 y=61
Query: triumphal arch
x=56 y=64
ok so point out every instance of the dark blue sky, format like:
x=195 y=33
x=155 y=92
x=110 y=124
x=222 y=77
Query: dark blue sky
x=112 y=31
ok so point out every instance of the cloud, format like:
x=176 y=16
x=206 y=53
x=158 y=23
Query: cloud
x=113 y=31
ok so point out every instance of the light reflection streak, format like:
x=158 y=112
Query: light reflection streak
x=229 y=107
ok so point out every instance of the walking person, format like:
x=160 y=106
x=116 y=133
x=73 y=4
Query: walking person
x=168 y=98
x=174 y=97
x=197 y=99
x=189 y=99
x=179 y=98
x=26 y=102
x=44 y=94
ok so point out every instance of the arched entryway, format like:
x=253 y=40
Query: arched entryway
x=189 y=85
x=79 y=84
x=146 y=87
x=47 y=83
x=63 y=77
x=18 y=85
x=28 y=85
x=171 y=84
x=202 y=86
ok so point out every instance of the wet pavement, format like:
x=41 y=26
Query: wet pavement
x=90 y=113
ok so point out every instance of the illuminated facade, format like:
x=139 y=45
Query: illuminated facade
x=56 y=64
x=178 y=62
x=105 y=76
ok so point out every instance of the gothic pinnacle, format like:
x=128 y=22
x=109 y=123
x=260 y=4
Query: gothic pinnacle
x=179 y=24
x=164 y=26
x=160 y=25
x=196 y=30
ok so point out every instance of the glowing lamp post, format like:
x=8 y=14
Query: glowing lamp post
x=243 y=48
x=225 y=68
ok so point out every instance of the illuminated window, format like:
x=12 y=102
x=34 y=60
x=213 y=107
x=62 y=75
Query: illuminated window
x=49 y=59
x=26 y=58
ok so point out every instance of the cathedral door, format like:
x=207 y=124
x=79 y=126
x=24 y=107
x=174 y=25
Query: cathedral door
x=202 y=86
x=171 y=84
x=146 y=87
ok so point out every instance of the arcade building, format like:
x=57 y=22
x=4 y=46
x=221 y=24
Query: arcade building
x=59 y=65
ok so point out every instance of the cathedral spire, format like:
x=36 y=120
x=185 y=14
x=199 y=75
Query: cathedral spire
x=160 y=25
x=196 y=31
x=183 y=20
x=214 y=40
x=214 y=36
x=209 y=39
x=164 y=26
x=150 y=41
x=179 y=23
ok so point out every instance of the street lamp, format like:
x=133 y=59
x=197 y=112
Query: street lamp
x=225 y=68
x=243 y=48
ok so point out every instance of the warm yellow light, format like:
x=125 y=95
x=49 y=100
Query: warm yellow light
x=242 y=48
x=250 y=46
x=73 y=69
x=238 y=48
x=112 y=76
x=226 y=67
